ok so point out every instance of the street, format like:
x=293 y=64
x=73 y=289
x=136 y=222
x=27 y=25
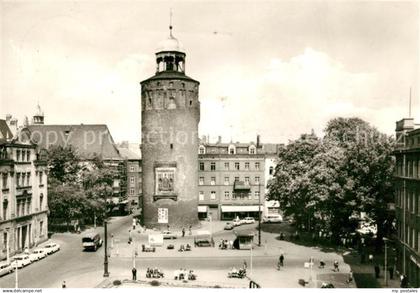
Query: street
x=84 y=269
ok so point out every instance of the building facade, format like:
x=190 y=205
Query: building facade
x=170 y=113
x=23 y=196
x=407 y=199
x=133 y=173
x=232 y=180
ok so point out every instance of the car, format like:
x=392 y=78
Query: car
x=22 y=260
x=91 y=241
x=6 y=268
x=249 y=220
x=273 y=219
x=237 y=222
x=36 y=255
x=168 y=235
x=228 y=226
x=51 y=247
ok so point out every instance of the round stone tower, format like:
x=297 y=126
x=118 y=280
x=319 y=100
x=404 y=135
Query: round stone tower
x=170 y=113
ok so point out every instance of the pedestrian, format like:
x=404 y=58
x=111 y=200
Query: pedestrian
x=404 y=281
x=134 y=272
x=129 y=237
x=350 y=278
x=245 y=265
x=377 y=271
x=167 y=227
x=183 y=231
x=134 y=224
x=63 y=285
x=189 y=230
x=336 y=269
x=281 y=260
x=391 y=272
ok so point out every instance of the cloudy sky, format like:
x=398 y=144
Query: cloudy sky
x=277 y=68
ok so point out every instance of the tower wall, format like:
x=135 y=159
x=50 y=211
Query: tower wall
x=170 y=117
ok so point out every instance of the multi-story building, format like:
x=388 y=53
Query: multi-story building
x=407 y=199
x=231 y=179
x=133 y=174
x=23 y=194
x=170 y=113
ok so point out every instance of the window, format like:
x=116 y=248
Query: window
x=236 y=178
x=18 y=155
x=201 y=195
x=250 y=196
x=246 y=180
x=226 y=194
x=257 y=180
x=213 y=166
x=131 y=191
x=5 y=240
x=28 y=179
x=257 y=165
x=237 y=165
x=28 y=207
x=201 y=181
x=201 y=150
x=247 y=166
x=41 y=199
x=40 y=177
x=132 y=181
x=227 y=166
x=201 y=166
x=17 y=179
x=256 y=194
x=28 y=155
x=4 y=177
x=41 y=225
x=213 y=195
x=131 y=168
x=271 y=170
x=226 y=180
x=4 y=211
x=213 y=181
x=252 y=150
x=232 y=150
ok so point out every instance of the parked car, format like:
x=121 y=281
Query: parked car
x=91 y=241
x=249 y=220
x=168 y=235
x=40 y=252
x=6 y=268
x=228 y=226
x=273 y=219
x=237 y=222
x=51 y=247
x=22 y=260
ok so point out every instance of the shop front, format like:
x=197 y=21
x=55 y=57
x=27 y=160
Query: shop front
x=230 y=212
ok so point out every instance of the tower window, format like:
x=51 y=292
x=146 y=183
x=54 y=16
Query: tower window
x=172 y=146
x=190 y=102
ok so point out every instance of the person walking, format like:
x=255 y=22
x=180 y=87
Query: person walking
x=189 y=230
x=63 y=285
x=377 y=271
x=134 y=273
x=183 y=231
x=245 y=265
x=336 y=269
x=281 y=260
x=129 y=237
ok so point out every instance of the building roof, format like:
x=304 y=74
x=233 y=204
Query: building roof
x=171 y=44
x=169 y=75
x=90 y=140
x=128 y=154
x=5 y=132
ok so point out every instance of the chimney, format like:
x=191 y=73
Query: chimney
x=203 y=139
x=219 y=139
x=258 y=140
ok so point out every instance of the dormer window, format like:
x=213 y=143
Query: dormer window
x=201 y=150
x=252 y=150
x=232 y=150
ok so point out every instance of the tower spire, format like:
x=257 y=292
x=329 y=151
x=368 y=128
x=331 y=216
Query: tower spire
x=170 y=23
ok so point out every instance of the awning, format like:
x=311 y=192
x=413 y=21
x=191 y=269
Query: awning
x=202 y=209
x=249 y=208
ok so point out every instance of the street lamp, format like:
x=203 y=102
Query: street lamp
x=386 y=261
x=16 y=274
x=7 y=245
x=259 y=218
x=106 y=273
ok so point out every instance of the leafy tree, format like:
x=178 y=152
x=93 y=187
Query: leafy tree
x=63 y=164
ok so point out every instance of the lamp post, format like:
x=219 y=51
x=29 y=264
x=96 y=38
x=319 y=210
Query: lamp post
x=386 y=261
x=106 y=273
x=259 y=218
x=16 y=274
x=7 y=246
